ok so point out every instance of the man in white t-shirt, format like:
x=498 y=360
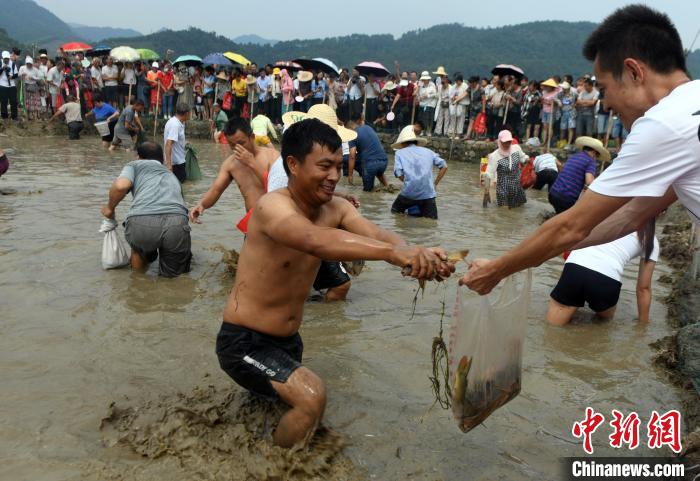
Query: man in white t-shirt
x=639 y=61
x=110 y=78
x=174 y=141
x=96 y=75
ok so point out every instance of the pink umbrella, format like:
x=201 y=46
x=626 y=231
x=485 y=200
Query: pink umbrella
x=290 y=66
x=372 y=68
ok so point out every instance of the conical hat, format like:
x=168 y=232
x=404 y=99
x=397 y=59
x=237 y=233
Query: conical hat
x=440 y=71
x=408 y=135
x=305 y=76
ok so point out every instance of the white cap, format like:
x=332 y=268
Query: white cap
x=5 y=54
x=155 y=64
x=28 y=60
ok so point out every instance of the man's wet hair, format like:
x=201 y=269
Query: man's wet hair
x=299 y=139
x=356 y=117
x=151 y=151
x=97 y=97
x=236 y=124
x=639 y=32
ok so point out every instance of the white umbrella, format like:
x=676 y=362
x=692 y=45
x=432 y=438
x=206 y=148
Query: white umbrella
x=125 y=54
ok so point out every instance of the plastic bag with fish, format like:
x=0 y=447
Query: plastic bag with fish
x=485 y=351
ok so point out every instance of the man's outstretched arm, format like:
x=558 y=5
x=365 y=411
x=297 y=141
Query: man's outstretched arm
x=558 y=234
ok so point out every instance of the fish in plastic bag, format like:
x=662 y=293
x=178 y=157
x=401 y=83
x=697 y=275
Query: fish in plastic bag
x=114 y=252
x=485 y=351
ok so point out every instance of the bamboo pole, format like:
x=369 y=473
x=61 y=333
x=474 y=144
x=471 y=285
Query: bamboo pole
x=549 y=128
x=128 y=99
x=696 y=253
x=609 y=129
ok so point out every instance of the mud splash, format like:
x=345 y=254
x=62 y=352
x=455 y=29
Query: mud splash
x=220 y=433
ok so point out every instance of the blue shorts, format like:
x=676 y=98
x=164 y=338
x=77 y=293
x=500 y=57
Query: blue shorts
x=568 y=120
x=618 y=130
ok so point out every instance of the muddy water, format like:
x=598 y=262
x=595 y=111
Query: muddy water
x=76 y=338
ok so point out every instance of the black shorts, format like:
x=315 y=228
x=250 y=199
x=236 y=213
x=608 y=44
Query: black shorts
x=579 y=285
x=180 y=171
x=545 y=177
x=330 y=275
x=253 y=359
x=560 y=205
x=425 y=207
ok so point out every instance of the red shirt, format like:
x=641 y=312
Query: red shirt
x=166 y=80
x=406 y=94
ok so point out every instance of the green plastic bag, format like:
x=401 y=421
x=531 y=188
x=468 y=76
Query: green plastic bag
x=191 y=163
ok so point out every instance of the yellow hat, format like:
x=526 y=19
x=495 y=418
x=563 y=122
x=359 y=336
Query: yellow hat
x=325 y=114
x=276 y=71
x=550 y=82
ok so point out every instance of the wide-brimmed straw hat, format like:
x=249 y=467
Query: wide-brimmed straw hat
x=222 y=76
x=389 y=85
x=250 y=80
x=550 y=82
x=594 y=144
x=305 y=76
x=425 y=75
x=408 y=135
x=441 y=71
x=325 y=114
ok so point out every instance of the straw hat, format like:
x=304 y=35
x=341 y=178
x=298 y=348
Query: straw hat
x=389 y=85
x=250 y=80
x=550 y=82
x=594 y=144
x=565 y=85
x=408 y=135
x=440 y=71
x=425 y=75
x=323 y=113
x=276 y=71
x=305 y=76
x=222 y=76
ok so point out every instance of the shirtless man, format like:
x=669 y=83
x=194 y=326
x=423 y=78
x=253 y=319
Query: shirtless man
x=291 y=230
x=248 y=166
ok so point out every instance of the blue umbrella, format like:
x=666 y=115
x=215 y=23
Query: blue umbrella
x=99 y=51
x=188 y=60
x=218 y=59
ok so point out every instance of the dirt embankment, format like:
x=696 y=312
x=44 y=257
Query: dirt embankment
x=680 y=353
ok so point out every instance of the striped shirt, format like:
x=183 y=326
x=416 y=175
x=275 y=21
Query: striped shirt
x=569 y=183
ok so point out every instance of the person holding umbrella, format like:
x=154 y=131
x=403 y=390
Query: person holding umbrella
x=354 y=89
x=372 y=90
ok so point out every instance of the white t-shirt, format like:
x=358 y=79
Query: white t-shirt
x=129 y=76
x=112 y=71
x=610 y=259
x=545 y=161
x=54 y=78
x=175 y=131
x=277 y=177
x=661 y=151
x=96 y=74
x=31 y=76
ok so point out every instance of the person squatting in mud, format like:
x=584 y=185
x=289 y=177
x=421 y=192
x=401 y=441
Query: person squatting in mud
x=289 y=232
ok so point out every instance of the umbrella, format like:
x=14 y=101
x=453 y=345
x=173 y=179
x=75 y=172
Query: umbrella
x=373 y=68
x=99 y=51
x=217 y=59
x=322 y=64
x=290 y=66
x=125 y=54
x=75 y=47
x=506 y=69
x=237 y=58
x=188 y=60
x=147 y=54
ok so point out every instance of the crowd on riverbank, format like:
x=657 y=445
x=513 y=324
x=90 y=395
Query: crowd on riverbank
x=557 y=109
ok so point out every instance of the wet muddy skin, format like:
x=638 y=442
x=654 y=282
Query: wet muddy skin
x=77 y=339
